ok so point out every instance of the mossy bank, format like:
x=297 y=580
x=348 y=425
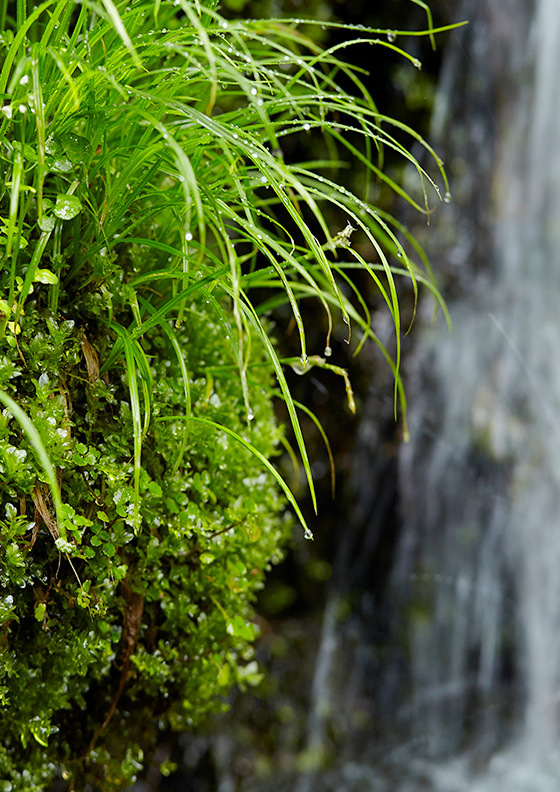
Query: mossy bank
x=151 y=222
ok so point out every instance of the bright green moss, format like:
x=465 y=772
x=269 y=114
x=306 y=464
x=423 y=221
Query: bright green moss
x=163 y=610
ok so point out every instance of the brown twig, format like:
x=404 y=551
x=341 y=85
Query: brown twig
x=134 y=608
x=92 y=359
x=41 y=500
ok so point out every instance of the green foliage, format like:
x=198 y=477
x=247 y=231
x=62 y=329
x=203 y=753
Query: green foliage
x=150 y=198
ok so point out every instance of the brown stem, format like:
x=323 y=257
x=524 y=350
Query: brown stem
x=134 y=608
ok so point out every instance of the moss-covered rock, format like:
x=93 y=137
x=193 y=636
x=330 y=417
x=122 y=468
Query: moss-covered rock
x=135 y=622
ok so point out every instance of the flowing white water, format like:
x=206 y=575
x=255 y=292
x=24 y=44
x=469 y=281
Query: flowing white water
x=481 y=548
x=475 y=587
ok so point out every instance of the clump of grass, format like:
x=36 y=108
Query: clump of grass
x=149 y=200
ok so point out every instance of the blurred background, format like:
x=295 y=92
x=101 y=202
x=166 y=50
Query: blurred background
x=415 y=644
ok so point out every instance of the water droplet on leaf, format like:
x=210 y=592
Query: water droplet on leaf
x=67 y=207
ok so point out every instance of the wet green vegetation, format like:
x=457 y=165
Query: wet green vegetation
x=154 y=220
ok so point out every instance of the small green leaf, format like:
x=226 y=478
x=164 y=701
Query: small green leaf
x=63 y=545
x=120 y=572
x=40 y=731
x=47 y=223
x=83 y=598
x=206 y=558
x=40 y=610
x=45 y=276
x=62 y=165
x=224 y=675
x=239 y=628
x=78 y=148
x=155 y=489
x=28 y=151
x=67 y=206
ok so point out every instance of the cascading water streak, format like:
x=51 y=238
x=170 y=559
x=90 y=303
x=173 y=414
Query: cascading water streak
x=480 y=550
x=464 y=639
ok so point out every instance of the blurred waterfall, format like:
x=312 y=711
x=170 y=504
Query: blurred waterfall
x=480 y=550
x=464 y=640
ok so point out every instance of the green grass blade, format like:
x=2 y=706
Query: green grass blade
x=264 y=461
x=130 y=354
x=119 y=26
x=41 y=453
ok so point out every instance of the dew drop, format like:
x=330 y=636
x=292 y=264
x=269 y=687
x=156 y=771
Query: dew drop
x=307 y=534
x=391 y=36
x=447 y=197
x=307 y=127
x=417 y=63
x=188 y=236
x=250 y=415
x=328 y=351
